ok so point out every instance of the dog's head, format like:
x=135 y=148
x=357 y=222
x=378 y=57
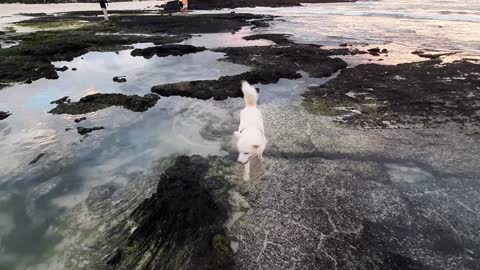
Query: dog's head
x=248 y=145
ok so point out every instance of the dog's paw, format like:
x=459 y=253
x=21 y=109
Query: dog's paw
x=246 y=177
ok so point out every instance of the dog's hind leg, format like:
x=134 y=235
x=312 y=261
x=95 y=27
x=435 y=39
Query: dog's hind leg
x=246 y=173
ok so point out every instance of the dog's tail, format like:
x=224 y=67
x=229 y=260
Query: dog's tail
x=249 y=94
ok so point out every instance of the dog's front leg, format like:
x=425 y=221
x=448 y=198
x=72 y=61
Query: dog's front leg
x=246 y=173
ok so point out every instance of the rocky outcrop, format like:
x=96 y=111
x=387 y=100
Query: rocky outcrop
x=224 y=87
x=279 y=39
x=119 y=79
x=4 y=115
x=31 y=59
x=167 y=50
x=432 y=55
x=85 y=131
x=269 y=64
x=180 y=226
x=97 y=102
x=219 y=4
x=424 y=93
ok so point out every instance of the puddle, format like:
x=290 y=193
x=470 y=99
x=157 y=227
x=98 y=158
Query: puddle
x=226 y=40
x=8 y=43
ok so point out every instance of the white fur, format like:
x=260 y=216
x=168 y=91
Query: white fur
x=251 y=134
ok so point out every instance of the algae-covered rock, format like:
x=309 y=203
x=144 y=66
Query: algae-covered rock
x=179 y=227
x=167 y=50
x=269 y=64
x=97 y=102
x=427 y=93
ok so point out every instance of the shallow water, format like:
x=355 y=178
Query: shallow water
x=401 y=26
x=132 y=142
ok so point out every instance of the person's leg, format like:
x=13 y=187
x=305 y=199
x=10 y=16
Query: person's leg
x=105 y=14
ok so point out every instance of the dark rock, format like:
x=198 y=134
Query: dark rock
x=62 y=100
x=432 y=55
x=414 y=93
x=4 y=115
x=280 y=39
x=268 y=66
x=224 y=87
x=68 y=129
x=180 y=226
x=62 y=69
x=219 y=4
x=376 y=51
x=167 y=50
x=36 y=159
x=31 y=59
x=28 y=81
x=97 y=102
x=119 y=79
x=182 y=25
x=83 y=131
x=2 y=33
x=307 y=57
x=78 y=120
x=343 y=45
x=74 y=69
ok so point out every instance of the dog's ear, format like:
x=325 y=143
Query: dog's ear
x=236 y=134
x=256 y=146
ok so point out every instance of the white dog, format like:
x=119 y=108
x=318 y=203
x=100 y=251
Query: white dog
x=250 y=134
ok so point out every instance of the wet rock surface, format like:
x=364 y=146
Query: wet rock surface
x=309 y=58
x=84 y=131
x=36 y=159
x=181 y=25
x=31 y=59
x=78 y=120
x=431 y=55
x=61 y=100
x=4 y=115
x=119 y=79
x=426 y=94
x=224 y=87
x=269 y=64
x=339 y=214
x=167 y=50
x=62 y=69
x=279 y=39
x=179 y=226
x=97 y=102
x=218 y=4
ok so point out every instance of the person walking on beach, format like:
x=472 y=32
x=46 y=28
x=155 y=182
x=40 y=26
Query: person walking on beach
x=184 y=5
x=103 y=6
x=180 y=5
